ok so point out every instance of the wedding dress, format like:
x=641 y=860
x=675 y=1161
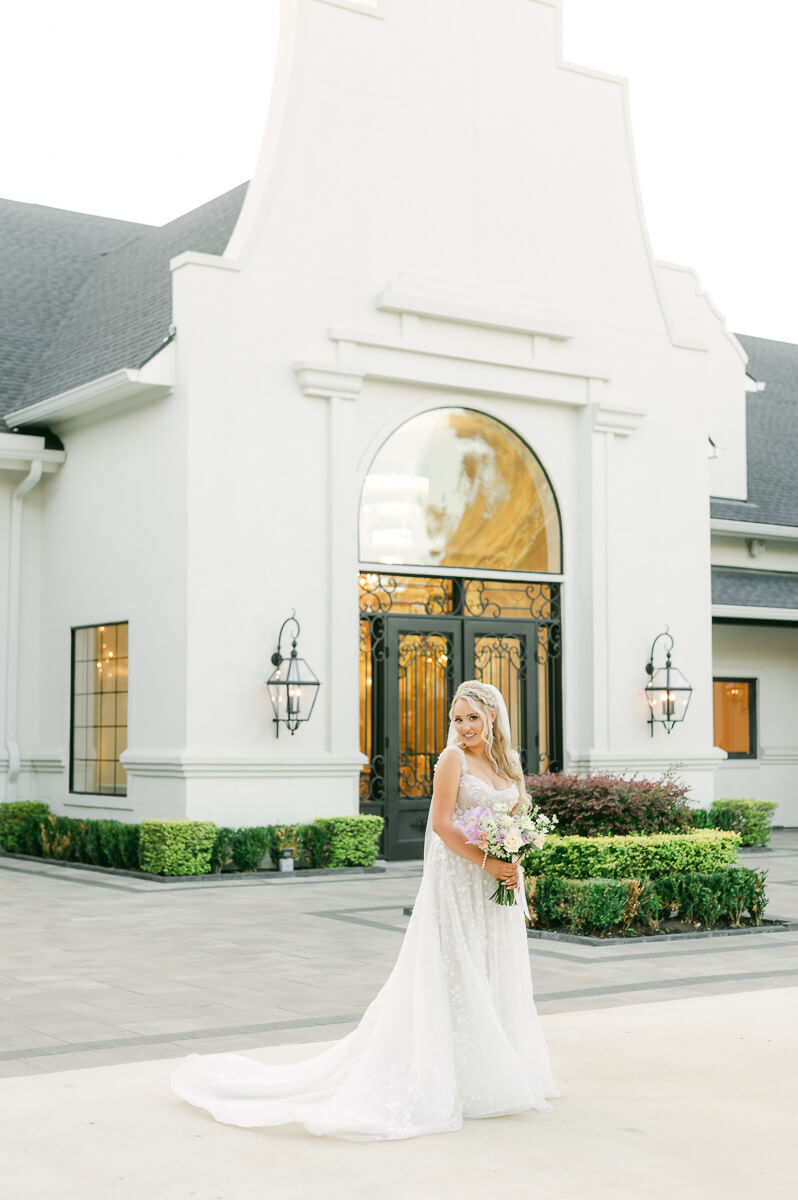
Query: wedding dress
x=452 y=1034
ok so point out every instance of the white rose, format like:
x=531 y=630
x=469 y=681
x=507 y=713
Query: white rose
x=513 y=843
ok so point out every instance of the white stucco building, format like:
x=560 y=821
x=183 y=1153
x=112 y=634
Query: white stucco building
x=424 y=382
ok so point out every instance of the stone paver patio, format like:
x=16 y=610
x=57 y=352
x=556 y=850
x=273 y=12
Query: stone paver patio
x=100 y=969
x=675 y=1061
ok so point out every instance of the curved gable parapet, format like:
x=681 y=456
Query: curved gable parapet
x=693 y=317
x=451 y=138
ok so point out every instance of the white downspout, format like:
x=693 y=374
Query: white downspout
x=12 y=642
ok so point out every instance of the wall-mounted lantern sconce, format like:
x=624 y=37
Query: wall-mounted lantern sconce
x=293 y=687
x=667 y=691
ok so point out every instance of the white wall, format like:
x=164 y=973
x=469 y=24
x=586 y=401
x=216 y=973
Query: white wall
x=768 y=654
x=113 y=549
x=423 y=154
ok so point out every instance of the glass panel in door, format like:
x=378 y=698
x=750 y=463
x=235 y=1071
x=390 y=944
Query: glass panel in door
x=422 y=666
x=503 y=653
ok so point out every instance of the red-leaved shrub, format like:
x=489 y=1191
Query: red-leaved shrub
x=604 y=804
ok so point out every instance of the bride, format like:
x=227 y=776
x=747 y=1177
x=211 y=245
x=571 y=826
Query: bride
x=454 y=1032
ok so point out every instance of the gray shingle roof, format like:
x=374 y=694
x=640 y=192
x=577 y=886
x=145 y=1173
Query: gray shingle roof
x=772 y=436
x=46 y=255
x=754 y=589
x=89 y=296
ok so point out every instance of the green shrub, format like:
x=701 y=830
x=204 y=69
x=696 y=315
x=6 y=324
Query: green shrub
x=345 y=841
x=16 y=830
x=176 y=847
x=101 y=843
x=593 y=805
x=707 y=898
x=94 y=848
x=290 y=837
x=753 y=819
x=250 y=845
x=317 y=843
x=636 y=856
x=129 y=845
x=593 y=906
x=222 y=852
x=604 y=906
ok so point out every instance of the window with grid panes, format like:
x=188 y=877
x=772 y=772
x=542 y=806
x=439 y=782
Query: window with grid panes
x=99 y=709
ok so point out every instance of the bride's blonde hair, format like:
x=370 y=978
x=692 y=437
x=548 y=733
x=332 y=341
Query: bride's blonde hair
x=498 y=751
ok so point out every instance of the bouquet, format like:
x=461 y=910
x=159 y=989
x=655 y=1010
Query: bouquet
x=504 y=836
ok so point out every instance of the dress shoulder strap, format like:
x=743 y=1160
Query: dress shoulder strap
x=461 y=752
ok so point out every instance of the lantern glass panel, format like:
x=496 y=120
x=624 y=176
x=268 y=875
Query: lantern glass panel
x=668 y=694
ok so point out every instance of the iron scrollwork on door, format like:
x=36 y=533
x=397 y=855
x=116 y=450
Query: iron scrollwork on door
x=513 y=629
x=425 y=685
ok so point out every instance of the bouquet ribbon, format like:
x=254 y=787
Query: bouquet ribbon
x=520 y=892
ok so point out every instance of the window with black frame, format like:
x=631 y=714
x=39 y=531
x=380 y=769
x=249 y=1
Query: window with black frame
x=99 y=709
x=734 y=702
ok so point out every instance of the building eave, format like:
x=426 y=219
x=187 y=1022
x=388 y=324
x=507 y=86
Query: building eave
x=757 y=529
x=751 y=612
x=123 y=389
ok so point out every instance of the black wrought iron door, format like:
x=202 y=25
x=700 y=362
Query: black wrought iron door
x=504 y=653
x=422 y=669
x=419 y=638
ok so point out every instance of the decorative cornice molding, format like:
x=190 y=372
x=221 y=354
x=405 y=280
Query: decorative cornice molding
x=329 y=381
x=634 y=760
x=402 y=345
x=156 y=764
x=45 y=763
x=389 y=361
x=620 y=421
x=772 y=756
x=398 y=298
x=40 y=764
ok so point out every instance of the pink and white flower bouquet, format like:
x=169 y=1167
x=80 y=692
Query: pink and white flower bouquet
x=504 y=836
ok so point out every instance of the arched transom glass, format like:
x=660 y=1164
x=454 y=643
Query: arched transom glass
x=456 y=488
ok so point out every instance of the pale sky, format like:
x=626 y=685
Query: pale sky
x=144 y=111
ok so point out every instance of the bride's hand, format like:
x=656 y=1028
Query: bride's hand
x=505 y=872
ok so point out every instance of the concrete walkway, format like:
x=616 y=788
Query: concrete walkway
x=688 y=1098
x=676 y=1060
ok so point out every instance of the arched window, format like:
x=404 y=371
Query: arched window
x=456 y=488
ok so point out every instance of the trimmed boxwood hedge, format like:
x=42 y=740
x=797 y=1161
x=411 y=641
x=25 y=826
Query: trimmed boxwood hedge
x=185 y=847
x=344 y=841
x=633 y=906
x=752 y=819
x=17 y=824
x=176 y=847
x=640 y=856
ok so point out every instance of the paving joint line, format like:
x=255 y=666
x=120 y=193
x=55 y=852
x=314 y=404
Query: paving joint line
x=155 y=1039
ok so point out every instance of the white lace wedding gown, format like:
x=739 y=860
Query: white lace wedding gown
x=453 y=1033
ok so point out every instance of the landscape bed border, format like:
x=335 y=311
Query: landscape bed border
x=769 y=925
x=268 y=876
